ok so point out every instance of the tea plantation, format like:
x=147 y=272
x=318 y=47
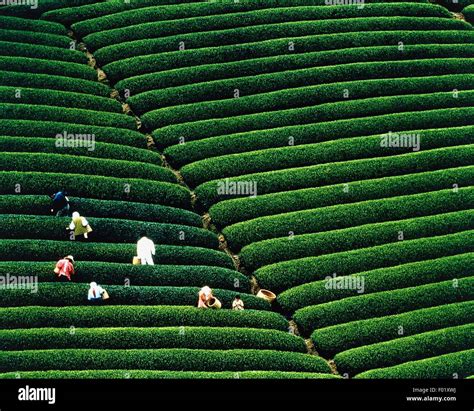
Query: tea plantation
x=320 y=150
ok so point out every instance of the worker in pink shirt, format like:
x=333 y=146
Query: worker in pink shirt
x=65 y=268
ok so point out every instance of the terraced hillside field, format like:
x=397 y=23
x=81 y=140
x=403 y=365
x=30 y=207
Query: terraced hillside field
x=322 y=152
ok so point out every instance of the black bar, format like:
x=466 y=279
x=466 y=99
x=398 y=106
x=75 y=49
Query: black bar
x=370 y=394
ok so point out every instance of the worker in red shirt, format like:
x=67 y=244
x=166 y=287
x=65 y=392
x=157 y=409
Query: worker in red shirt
x=65 y=268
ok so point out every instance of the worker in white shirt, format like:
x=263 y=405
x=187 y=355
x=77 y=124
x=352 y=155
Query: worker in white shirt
x=95 y=292
x=145 y=250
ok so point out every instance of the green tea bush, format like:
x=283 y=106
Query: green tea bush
x=50 y=129
x=325 y=152
x=137 y=316
x=60 y=295
x=170 y=337
x=66 y=163
x=66 y=115
x=298 y=116
x=382 y=279
x=343 y=216
x=338 y=173
x=384 y=303
x=105 y=230
x=162 y=359
x=176 y=68
x=156 y=275
x=59 y=98
x=97 y=187
x=229 y=212
x=412 y=348
x=49 y=250
x=288 y=274
x=454 y=365
x=330 y=340
x=41 y=205
x=42 y=66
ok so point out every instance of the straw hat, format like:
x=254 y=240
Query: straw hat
x=69 y=257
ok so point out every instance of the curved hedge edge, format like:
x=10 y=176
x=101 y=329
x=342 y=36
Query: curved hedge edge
x=41 y=205
x=162 y=359
x=209 y=338
x=448 y=366
x=137 y=316
x=382 y=279
x=75 y=294
x=401 y=350
x=140 y=374
x=331 y=340
x=120 y=274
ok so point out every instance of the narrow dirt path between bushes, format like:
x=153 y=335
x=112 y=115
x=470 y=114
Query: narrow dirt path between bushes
x=206 y=219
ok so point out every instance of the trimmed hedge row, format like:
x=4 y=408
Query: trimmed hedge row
x=234 y=211
x=129 y=338
x=342 y=172
x=41 y=205
x=146 y=64
x=384 y=303
x=66 y=115
x=48 y=250
x=31 y=37
x=157 y=275
x=177 y=68
x=180 y=359
x=8 y=48
x=45 y=81
x=303 y=97
x=288 y=274
x=416 y=347
x=448 y=366
x=344 y=216
x=307 y=115
x=137 y=316
x=70 y=15
x=469 y=13
x=43 y=6
x=244 y=27
x=15 y=23
x=50 y=129
x=130 y=374
x=59 y=295
x=294 y=247
x=148 y=100
x=98 y=187
x=330 y=340
x=265 y=83
x=325 y=152
x=193 y=17
x=41 y=66
x=382 y=279
x=317 y=132
x=105 y=230
x=58 y=98
x=65 y=163
x=100 y=150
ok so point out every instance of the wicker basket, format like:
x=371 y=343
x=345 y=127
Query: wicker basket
x=266 y=295
x=214 y=303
